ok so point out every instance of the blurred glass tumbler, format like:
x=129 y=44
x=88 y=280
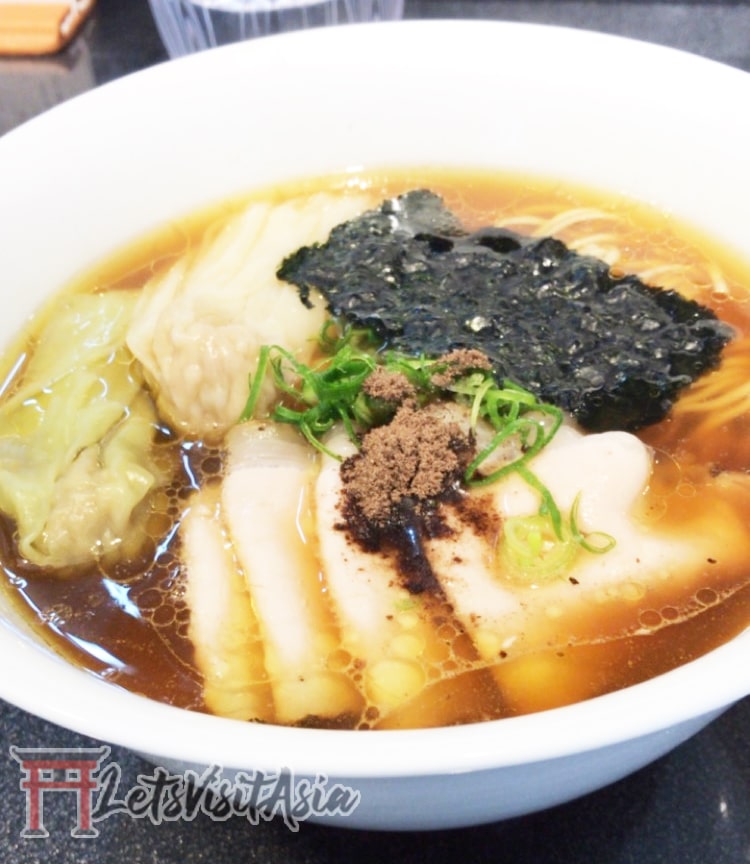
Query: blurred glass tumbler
x=186 y=26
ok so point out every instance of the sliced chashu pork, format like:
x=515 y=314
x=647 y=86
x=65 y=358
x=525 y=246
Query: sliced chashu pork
x=510 y=619
x=265 y=500
x=223 y=626
x=391 y=635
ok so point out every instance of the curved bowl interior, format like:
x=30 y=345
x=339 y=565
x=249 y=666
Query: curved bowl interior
x=647 y=122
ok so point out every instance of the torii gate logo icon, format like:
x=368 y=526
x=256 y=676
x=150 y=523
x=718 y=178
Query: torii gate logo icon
x=72 y=770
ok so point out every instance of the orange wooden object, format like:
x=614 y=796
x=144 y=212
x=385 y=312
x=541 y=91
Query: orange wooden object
x=36 y=27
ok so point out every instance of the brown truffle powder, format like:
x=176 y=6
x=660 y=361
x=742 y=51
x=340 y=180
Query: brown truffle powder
x=458 y=363
x=388 y=386
x=392 y=484
x=418 y=455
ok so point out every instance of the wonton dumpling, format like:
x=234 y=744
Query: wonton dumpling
x=199 y=327
x=75 y=436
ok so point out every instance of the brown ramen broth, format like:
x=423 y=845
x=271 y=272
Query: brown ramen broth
x=129 y=619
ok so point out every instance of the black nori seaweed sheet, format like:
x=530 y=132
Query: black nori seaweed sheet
x=611 y=351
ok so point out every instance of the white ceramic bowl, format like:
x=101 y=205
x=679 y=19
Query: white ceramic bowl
x=661 y=126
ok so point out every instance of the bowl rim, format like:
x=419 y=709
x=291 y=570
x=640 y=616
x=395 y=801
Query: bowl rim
x=105 y=712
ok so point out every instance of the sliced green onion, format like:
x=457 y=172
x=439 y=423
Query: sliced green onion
x=532 y=551
x=256 y=382
x=596 y=542
x=314 y=398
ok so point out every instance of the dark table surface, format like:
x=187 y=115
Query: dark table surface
x=691 y=807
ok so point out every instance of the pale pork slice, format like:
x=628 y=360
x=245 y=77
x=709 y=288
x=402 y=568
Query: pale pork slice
x=516 y=622
x=223 y=627
x=266 y=501
x=387 y=633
